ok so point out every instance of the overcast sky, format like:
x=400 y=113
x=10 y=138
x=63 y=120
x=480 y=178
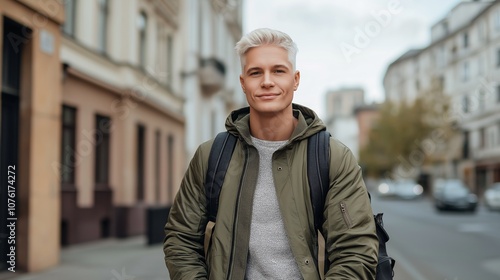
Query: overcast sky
x=346 y=43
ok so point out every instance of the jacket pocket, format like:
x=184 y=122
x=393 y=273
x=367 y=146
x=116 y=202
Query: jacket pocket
x=345 y=214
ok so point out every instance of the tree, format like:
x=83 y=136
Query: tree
x=409 y=135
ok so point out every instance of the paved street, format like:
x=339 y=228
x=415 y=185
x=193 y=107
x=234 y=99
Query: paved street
x=426 y=244
x=430 y=245
x=128 y=259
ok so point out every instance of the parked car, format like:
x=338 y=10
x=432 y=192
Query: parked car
x=402 y=188
x=492 y=197
x=386 y=189
x=454 y=195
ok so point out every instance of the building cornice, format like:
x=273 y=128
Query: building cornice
x=124 y=93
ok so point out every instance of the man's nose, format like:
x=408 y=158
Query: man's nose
x=267 y=81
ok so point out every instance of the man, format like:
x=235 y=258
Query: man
x=265 y=226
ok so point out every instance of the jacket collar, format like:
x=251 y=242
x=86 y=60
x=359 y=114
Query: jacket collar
x=309 y=123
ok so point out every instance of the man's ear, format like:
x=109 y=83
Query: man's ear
x=242 y=83
x=296 y=79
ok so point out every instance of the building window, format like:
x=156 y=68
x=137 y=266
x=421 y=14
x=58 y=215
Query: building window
x=465 y=71
x=466 y=40
x=482 y=138
x=158 y=165
x=441 y=56
x=170 y=59
x=170 y=168
x=491 y=138
x=480 y=65
x=498 y=93
x=482 y=31
x=482 y=100
x=12 y=51
x=465 y=104
x=68 y=153
x=498 y=57
x=465 y=147
x=142 y=24
x=103 y=24
x=102 y=140
x=70 y=17
x=141 y=133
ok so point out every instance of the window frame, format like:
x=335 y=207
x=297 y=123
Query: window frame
x=102 y=152
x=71 y=28
x=103 y=25
x=71 y=127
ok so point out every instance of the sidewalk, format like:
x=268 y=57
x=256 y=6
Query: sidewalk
x=113 y=259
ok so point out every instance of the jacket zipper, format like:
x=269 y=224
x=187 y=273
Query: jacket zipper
x=345 y=214
x=231 y=257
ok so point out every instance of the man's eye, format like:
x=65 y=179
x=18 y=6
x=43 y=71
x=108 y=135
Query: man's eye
x=279 y=71
x=254 y=73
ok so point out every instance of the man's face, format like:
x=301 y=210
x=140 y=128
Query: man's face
x=268 y=79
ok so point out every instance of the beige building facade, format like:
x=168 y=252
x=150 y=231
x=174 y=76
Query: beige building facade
x=30 y=133
x=211 y=67
x=102 y=103
x=123 y=129
x=92 y=120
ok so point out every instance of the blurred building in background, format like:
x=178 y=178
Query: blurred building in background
x=103 y=103
x=31 y=83
x=211 y=67
x=463 y=59
x=366 y=118
x=123 y=129
x=341 y=120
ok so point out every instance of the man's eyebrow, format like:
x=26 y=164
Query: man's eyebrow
x=280 y=66
x=274 y=66
x=252 y=69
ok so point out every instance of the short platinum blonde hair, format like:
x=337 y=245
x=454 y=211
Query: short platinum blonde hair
x=266 y=36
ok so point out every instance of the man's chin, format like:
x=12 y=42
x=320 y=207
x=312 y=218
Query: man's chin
x=271 y=109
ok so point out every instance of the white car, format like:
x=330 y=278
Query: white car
x=492 y=197
x=404 y=188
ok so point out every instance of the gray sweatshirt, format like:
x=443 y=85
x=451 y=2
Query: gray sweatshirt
x=270 y=255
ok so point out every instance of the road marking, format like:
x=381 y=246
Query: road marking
x=492 y=266
x=407 y=266
x=472 y=228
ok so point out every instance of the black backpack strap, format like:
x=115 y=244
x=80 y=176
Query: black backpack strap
x=318 y=162
x=218 y=162
x=385 y=267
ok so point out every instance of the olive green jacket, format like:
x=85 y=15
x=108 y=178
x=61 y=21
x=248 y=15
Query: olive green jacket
x=349 y=228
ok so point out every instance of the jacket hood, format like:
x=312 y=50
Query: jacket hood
x=238 y=123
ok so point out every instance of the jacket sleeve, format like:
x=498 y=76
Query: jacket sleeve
x=349 y=229
x=185 y=227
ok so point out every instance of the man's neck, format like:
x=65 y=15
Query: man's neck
x=272 y=127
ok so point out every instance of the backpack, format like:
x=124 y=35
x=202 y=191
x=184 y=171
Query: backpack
x=317 y=171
